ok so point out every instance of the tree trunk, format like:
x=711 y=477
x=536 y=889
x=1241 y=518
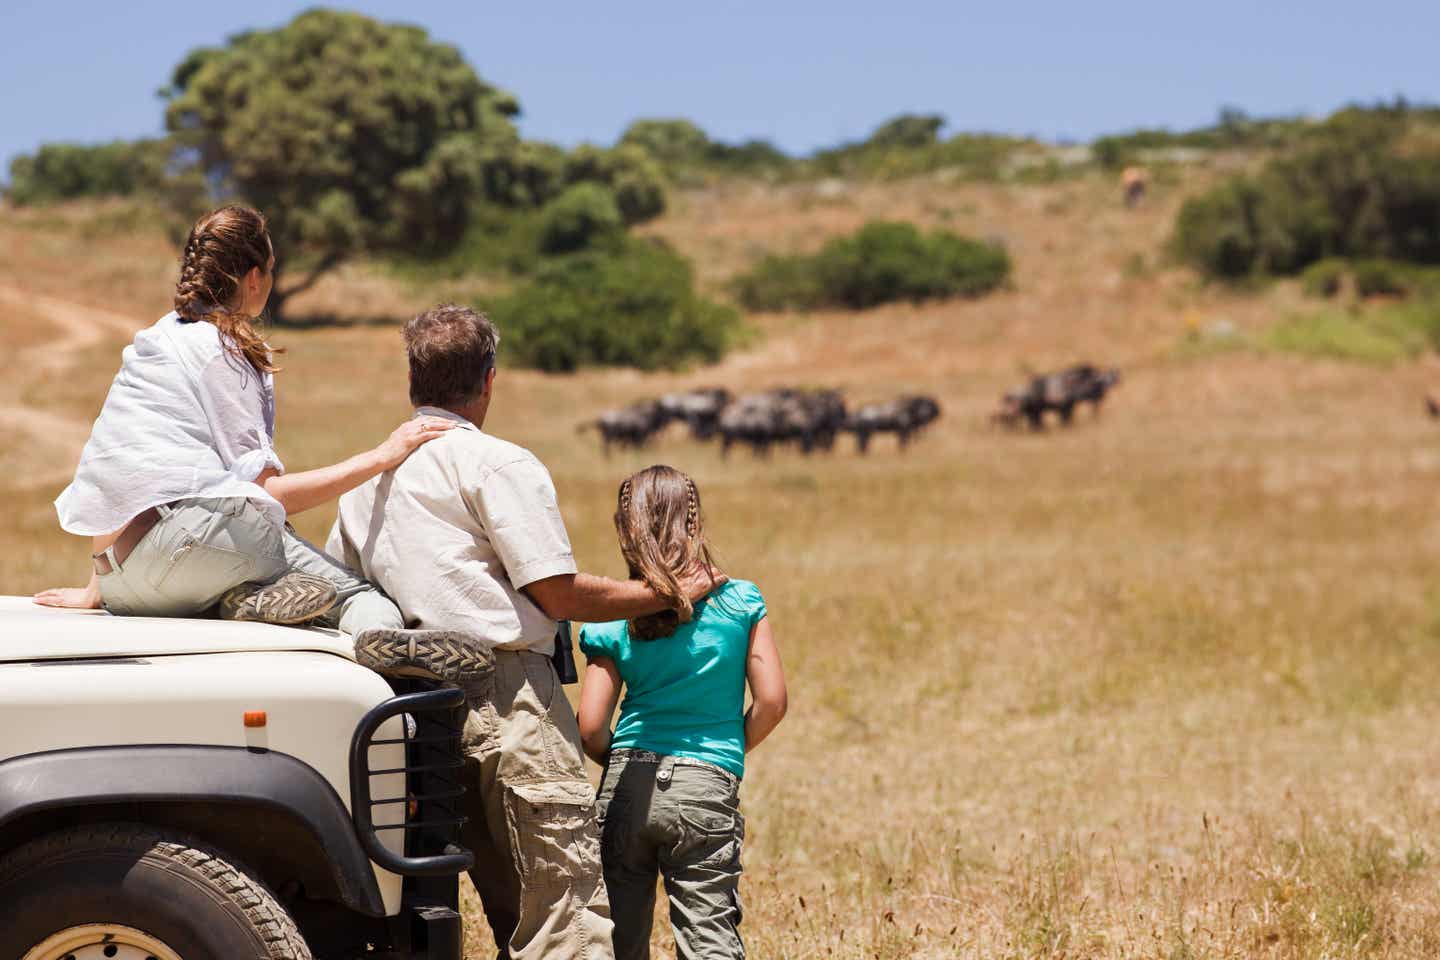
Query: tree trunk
x=280 y=295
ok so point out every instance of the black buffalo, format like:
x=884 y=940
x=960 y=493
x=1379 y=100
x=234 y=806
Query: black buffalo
x=1060 y=392
x=631 y=426
x=905 y=416
x=699 y=410
x=811 y=419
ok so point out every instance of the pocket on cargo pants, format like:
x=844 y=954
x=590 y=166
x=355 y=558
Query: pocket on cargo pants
x=551 y=826
x=702 y=869
x=563 y=908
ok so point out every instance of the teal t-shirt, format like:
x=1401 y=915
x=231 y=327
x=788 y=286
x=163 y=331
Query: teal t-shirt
x=685 y=693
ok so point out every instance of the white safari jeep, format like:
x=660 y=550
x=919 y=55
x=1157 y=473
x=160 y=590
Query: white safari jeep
x=204 y=790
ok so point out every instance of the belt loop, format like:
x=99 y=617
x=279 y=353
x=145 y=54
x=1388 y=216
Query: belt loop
x=667 y=767
x=109 y=554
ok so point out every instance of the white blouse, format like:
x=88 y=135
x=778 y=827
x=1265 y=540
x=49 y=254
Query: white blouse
x=184 y=419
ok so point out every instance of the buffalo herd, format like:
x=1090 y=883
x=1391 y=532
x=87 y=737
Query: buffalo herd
x=809 y=419
x=814 y=419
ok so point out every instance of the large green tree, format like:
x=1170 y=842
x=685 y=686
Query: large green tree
x=350 y=134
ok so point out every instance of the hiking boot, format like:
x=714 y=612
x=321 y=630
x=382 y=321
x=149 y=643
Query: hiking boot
x=294 y=598
x=431 y=654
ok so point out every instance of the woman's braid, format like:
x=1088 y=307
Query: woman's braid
x=223 y=247
x=187 y=290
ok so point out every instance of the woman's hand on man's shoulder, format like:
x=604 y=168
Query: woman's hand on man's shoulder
x=408 y=437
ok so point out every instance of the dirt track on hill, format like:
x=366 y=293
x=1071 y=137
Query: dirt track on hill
x=58 y=437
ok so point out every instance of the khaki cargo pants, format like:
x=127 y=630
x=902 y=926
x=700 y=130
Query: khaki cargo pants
x=680 y=819
x=203 y=547
x=531 y=816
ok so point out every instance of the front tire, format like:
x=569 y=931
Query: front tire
x=129 y=891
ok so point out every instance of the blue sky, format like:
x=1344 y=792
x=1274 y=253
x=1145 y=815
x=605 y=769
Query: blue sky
x=801 y=73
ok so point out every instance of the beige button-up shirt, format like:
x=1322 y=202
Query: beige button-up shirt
x=454 y=533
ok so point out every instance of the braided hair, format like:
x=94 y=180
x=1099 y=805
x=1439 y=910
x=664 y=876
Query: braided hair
x=222 y=248
x=662 y=538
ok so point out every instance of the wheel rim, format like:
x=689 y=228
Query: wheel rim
x=101 y=941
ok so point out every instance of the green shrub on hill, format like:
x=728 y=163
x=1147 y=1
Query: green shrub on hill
x=1324 y=277
x=585 y=215
x=521 y=173
x=1359 y=188
x=1376 y=278
x=688 y=155
x=908 y=130
x=65 y=171
x=635 y=306
x=780 y=282
x=629 y=171
x=674 y=142
x=910 y=144
x=881 y=263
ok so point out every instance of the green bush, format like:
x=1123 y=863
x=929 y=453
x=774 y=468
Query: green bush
x=908 y=130
x=676 y=143
x=498 y=241
x=780 y=283
x=628 y=170
x=64 y=171
x=585 y=215
x=1357 y=189
x=749 y=157
x=521 y=173
x=1323 y=278
x=902 y=148
x=1375 y=278
x=634 y=306
x=687 y=153
x=881 y=263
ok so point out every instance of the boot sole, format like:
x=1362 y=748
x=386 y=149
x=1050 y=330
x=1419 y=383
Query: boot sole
x=437 y=654
x=291 y=600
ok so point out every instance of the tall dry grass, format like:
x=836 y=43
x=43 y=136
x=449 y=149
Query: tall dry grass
x=1157 y=686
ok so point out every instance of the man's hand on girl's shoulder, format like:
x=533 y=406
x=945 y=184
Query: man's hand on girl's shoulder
x=700 y=582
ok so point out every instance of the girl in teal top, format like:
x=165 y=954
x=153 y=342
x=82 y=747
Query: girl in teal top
x=669 y=801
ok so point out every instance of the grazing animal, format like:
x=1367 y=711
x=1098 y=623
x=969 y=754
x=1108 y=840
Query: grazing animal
x=814 y=418
x=631 y=426
x=1134 y=181
x=1061 y=392
x=809 y=418
x=753 y=419
x=905 y=417
x=699 y=410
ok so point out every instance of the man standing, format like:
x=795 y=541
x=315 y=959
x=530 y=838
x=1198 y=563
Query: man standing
x=466 y=536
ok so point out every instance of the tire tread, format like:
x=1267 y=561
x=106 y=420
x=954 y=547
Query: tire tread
x=247 y=892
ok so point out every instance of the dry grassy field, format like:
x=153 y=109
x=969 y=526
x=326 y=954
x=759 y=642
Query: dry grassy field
x=1160 y=685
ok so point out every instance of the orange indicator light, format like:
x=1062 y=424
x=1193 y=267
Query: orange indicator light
x=254 y=718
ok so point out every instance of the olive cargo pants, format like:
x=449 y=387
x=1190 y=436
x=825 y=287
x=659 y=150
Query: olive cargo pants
x=681 y=819
x=531 y=815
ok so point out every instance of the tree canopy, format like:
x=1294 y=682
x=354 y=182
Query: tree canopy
x=352 y=135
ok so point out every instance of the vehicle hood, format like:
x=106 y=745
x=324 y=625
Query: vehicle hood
x=31 y=632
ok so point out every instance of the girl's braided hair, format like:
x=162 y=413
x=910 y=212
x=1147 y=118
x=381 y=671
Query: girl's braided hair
x=662 y=538
x=222 y=248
